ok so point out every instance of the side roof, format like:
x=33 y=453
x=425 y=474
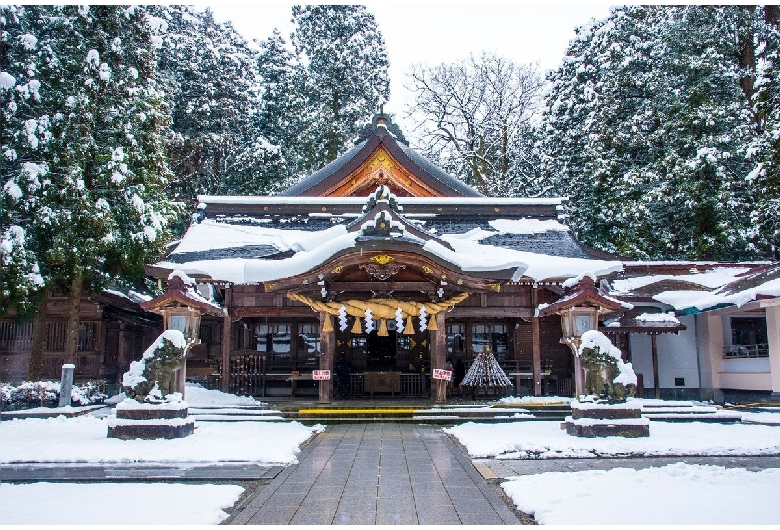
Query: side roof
x=406 y=172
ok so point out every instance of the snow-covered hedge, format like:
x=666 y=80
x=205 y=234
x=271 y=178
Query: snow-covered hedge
x=47 y=394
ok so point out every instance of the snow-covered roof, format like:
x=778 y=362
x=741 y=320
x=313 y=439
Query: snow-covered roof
x=697 y=290
x=243 y=250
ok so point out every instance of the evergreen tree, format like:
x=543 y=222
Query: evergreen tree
x=647 y=128
x=22 y=144
x=212 y=83
x=87 y=168
x=343 y=72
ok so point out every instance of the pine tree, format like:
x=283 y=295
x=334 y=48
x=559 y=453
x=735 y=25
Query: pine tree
x=212 y=83
x=23 y=140
x=343 y=71
x=91 y=178
x=647 y=130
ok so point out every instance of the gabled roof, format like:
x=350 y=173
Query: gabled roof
x=583 y=293
x=381 y=160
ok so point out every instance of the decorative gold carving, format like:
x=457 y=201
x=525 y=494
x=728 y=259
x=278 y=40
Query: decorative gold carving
x=412 y=342
x=382 y=272
x=324 y=208
x=427 y=270
x=305 y=282
x=270 y=286
x=496 y=210
x=460 y=281
x=383 y=259
x=494 y=287
x=337 y=270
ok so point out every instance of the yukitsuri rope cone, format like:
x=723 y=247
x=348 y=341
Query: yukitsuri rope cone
x=484 y=373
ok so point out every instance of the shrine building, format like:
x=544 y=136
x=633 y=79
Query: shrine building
x=384 y=260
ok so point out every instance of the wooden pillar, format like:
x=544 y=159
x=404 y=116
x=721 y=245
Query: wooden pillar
x=120 y=348
x=438 y=340
x=536 y=349
x=226 y=339
x=773 y=338
x=327 y=343
x=579 y=375
x=654 y=348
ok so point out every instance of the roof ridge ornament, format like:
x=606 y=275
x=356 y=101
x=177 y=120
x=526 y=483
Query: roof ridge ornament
x=382 y=194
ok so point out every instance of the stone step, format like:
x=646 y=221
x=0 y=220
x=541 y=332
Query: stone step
x=235 y=413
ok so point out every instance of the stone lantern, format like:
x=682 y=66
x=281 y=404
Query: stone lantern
x=579 y=309
x=181 y=308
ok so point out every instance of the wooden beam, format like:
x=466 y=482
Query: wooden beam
x=536 y=347
x=438 y=340
x=302 y=311
x=382 y=286
x=327 y=343
x=490 y=312
x=226 y=327
x=654 y=347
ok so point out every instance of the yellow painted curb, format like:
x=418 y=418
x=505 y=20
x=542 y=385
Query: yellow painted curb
x=356 y=411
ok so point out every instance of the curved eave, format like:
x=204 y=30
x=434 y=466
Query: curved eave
x=170 y=298
x=406 y=253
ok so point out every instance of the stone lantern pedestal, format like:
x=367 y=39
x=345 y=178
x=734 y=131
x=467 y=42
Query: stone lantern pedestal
x=598 y=420
x=149 y=421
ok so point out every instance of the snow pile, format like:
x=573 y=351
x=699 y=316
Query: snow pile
x=658 y=317
x=543 y=439
x=595 y=339
x=155 y=504
x=83 y=439
x=135 y=375
x=687 y=494
x=551 y=400
x=198 y=396
x=526 y=226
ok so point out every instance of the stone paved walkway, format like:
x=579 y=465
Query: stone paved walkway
x=378 y=473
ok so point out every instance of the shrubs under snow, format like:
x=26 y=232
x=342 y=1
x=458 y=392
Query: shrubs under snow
x=47 y=394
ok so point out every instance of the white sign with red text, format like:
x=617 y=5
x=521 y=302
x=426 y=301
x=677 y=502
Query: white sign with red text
x=438 y=373
x=320 y=375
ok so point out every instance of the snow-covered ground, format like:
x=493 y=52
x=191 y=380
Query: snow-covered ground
x=674 y=494
x=83 y=438
x=115 y=504
x=545 y=439
x=686 y=493
x=670 y=495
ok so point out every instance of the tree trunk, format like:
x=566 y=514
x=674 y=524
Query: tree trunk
x=747 y=53
x=74 y=305
x=772 y=15
x=35 y=369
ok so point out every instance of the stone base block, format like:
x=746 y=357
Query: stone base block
x=150 y=413
x=606 y=412
x=605 y=429
x=150 y=430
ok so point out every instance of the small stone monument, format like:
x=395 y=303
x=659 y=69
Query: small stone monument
x=609 y=382
x=153 y=408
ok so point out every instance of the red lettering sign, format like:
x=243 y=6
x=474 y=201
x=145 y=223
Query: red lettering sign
x=438 y=373
x=320 y=375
